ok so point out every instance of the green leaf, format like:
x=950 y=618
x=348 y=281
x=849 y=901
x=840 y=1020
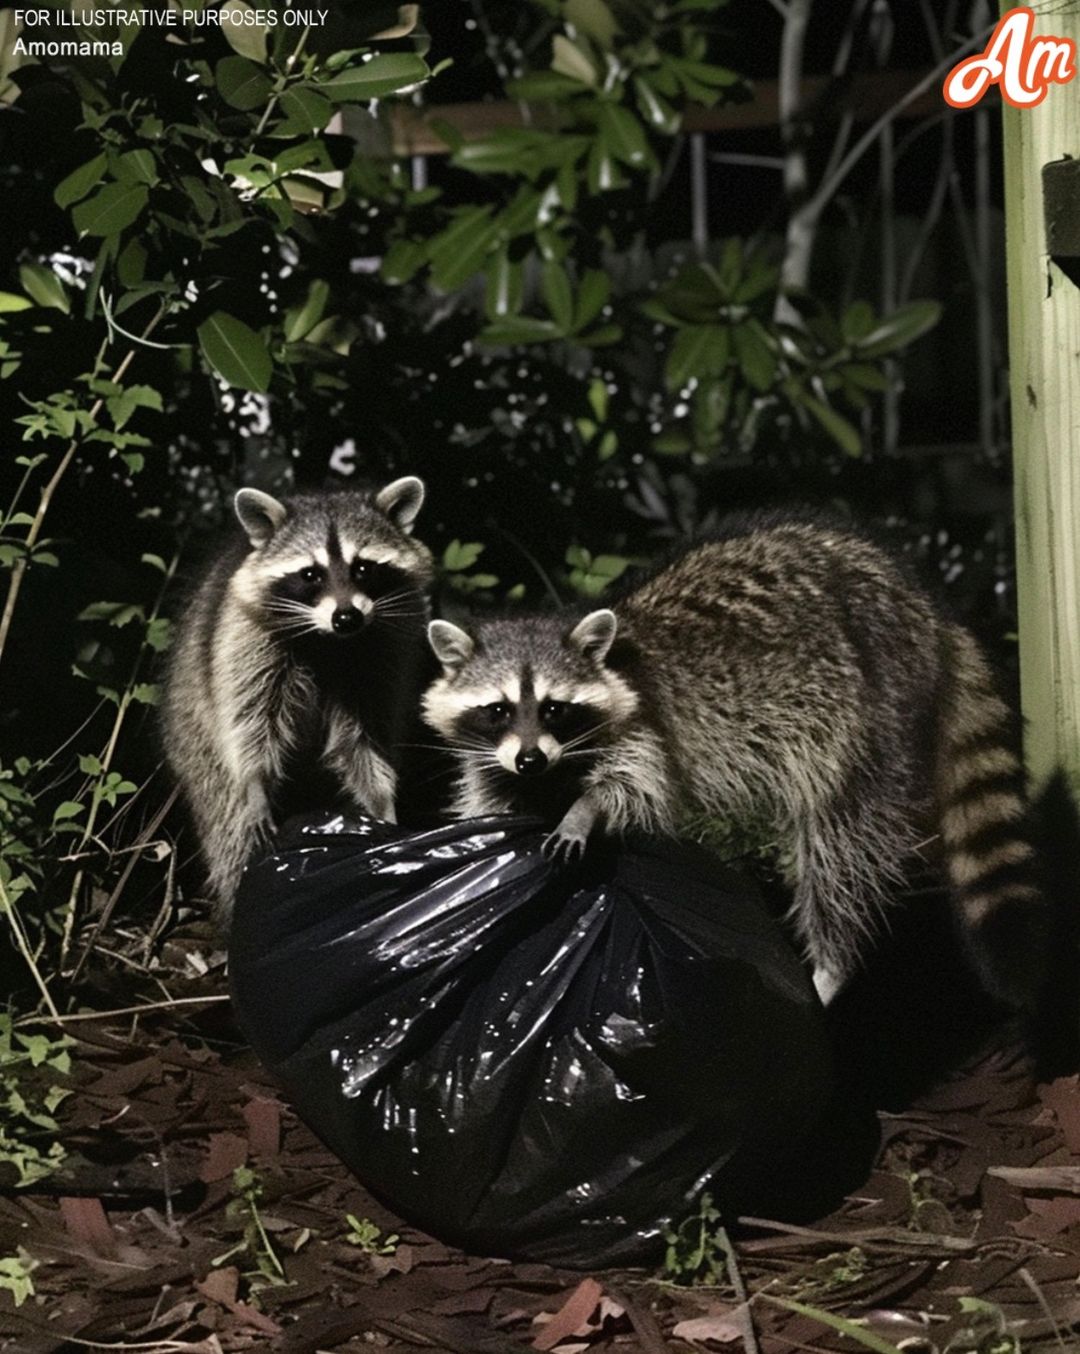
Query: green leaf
x=235 y=351
x=520 y=329
x=90 y=765
x=241 y=83
x=384 y=74
x=116 y=613
x=68 y=809
x=131 y=265
x=44 y=286
x=9 y=303
x=159 y=630
x=458 y=555
x=844 y=434
x=902 y=327
x=402 y=260
x=624 y=135
x=593 y=293
x=568 y=59
x=111 y=209
x=80 y=181
x=592 y=17
x=541 y=86
x=144 y=693
x=460 y=250
x=502 y=296
x=755 y=357
x=865 y=376
x=657 y=112
x=699 y=350
x=602 y=337
x=857 y=321
x=136 y=166
x=302 y=320
x=601 y=172
x=242 y=35
x=306 y=112
x=558 y=296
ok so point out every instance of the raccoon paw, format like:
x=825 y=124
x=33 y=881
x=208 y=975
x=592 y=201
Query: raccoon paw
x=564 y=847
x=567 y=842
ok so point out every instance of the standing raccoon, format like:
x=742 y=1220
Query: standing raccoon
x=296 y=666
x=786 y=672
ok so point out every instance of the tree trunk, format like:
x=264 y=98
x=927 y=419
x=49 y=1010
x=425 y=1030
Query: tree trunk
x=1044 y=345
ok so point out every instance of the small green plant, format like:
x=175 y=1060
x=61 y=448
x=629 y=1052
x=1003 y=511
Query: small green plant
x=371 y=1239
x=457 y=563
x=27 y=1101
x=698 y=1250
x=989 y=1330
x=590 y=574
x=256 y=1244
x=15 y=1271
x=832 y=1271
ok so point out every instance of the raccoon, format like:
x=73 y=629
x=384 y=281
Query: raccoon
x=784 y=671
x=296 y=663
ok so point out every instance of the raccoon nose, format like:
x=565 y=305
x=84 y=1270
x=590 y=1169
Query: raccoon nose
x=346 y=620
x=531 y=763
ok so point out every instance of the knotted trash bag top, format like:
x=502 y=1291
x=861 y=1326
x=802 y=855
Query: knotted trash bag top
x=527 y=1059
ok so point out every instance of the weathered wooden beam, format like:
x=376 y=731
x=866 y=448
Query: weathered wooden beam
x=1044 y=347
x=871 y=94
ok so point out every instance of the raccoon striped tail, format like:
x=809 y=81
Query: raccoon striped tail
x=986 y=832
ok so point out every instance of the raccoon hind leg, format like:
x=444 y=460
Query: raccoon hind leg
x=846 y=861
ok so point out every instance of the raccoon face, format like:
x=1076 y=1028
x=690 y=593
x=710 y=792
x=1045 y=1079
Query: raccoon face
x=335 y=563
x=525 y=695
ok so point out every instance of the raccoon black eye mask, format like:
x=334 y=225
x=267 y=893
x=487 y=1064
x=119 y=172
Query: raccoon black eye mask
x=785 y=671
x=297 y=660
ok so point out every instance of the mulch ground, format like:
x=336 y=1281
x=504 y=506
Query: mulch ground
x=965 y=1235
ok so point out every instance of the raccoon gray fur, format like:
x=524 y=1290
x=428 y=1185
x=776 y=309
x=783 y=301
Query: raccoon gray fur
x=296 y=663
x=785 y=671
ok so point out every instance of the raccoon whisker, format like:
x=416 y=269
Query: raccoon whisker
x=387 y=598
x=584 y=737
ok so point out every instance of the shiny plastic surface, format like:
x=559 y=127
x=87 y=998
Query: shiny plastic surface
x=522 y=1058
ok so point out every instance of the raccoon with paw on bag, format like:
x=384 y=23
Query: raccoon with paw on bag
x=297 y=664
x=785 y=670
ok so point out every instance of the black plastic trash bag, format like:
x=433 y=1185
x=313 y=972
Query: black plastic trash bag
x=527 y=1059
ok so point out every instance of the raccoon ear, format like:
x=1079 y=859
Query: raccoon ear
x=594 y=634
x=451 y=644
x=401 y=500
x=259 y=514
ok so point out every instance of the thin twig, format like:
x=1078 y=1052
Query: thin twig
x=22 y=944
x=121 y=884
x=866 y=1236
x=742 y=1315
x=55 y=1019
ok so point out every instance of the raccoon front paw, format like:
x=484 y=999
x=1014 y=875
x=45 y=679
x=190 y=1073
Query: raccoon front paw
x=567 y=842
x=564 y=847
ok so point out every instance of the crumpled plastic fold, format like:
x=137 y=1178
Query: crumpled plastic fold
x=523 y=1058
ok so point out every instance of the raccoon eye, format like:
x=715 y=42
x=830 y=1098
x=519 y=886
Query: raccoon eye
x=313 y=574
x=360 y=569
x=497 y=711
x=552 y=711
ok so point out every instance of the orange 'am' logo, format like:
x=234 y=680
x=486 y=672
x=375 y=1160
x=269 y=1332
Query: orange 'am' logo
x=1022 y=65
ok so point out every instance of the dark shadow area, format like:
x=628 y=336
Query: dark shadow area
x=1057 y=824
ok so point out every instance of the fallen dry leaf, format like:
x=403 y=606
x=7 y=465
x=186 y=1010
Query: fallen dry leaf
x=571 y=1316
x=720 y=1328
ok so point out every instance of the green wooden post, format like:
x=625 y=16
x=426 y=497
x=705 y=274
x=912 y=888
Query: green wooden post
x=1044 y=347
